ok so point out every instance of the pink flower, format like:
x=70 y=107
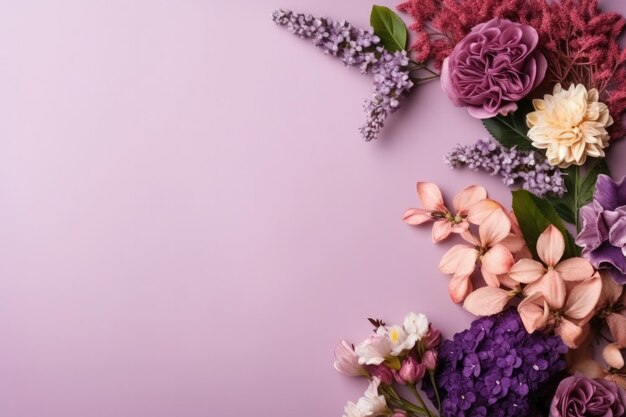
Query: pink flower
x=412 y=371
x=568 y=317
x=434 y=209
x=494 y=257
x=429 y=359
x=550 y=277
x=347 y=361
x=382 y=372
x=489 y=300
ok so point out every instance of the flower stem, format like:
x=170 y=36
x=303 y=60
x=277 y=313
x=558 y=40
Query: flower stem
x=431 y=374
x=393 y=397
x=419 y=398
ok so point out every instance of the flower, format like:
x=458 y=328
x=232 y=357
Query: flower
x=578 y=396
x=416 y=325
x=603 y=234
x=568 y=317
x=570 y=125
x=550 y=277
x=435 y=210
x=357 y=47
x=495 y=368
x=374 y=349
x=387 y=342
x=347 y=361
x=493 y=67
x=528 y=167
x=412 y=371
x=488 y=249
x=371 y=404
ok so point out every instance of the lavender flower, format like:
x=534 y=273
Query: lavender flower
x=495 y=368
x=362 y=48
x=513 y=165
x=391 y=83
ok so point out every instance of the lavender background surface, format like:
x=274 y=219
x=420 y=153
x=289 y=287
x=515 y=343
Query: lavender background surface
x=189 y=218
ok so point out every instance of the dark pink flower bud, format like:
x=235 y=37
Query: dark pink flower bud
x=399 y=413
x=432 y=339
x=383 y=373
x=430 y=360
x=412 y=371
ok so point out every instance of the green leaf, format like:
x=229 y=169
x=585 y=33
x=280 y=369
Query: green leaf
x=389 y=27
x=534 y=216
x=511 y=130
x=580 y=189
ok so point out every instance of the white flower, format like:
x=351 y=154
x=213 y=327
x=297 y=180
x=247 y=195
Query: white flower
x=400 y=340
x=371 y=404
x=416 y=324
x=570 y=125
x=374 y=349
x=346 y=360
x=404 y=338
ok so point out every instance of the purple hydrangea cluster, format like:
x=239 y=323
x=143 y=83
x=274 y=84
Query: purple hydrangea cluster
x=495 y=368
x=513 y=165
x=357 y=47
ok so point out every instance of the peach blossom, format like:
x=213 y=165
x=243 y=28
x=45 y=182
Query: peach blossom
x=569 y=317
x=494 y=258
x=550 y=277
x=434 y=209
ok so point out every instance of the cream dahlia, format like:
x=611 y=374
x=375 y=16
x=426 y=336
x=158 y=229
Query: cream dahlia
x=570 y=125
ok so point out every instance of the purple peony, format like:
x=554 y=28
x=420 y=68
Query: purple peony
x=603 y=234
x=578 y=396
x=493 y=67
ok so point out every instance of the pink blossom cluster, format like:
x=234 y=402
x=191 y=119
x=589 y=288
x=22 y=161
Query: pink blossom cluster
x=579 y=41
x=551 y=294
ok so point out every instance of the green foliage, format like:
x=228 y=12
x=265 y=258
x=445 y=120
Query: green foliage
x=511 y=130
x=534 y=216
x=389 y=27
x=580 y=189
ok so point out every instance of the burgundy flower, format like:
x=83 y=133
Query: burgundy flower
x=579 y=396
x=493 y=67
x=603 y=235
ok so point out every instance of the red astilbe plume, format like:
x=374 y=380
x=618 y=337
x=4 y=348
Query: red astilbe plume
x=579 y=40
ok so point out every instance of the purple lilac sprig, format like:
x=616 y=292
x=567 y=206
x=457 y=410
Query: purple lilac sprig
x=528 y=167
x=495 y=368
x=360 y=48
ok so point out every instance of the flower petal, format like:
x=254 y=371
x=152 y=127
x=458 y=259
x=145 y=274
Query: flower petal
x=534 y=312
x=465 y=199
x=571 y=334
x=612 y=356
x=498 y=260
x=551 y=246
x=459 y=288
x=552 y=287
x=611 y=291
x=527 y=271
x=575 y=269
x=495 y=228
x=583 y=298
x=430 y=196
x=487 y=301
x=441 y=230
x=617 y=325
x=416 y=216
x=481 y=210
x=460 y=260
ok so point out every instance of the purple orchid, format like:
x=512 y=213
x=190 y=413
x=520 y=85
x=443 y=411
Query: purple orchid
x=603 y=235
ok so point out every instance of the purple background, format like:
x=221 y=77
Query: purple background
x=189 y=219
